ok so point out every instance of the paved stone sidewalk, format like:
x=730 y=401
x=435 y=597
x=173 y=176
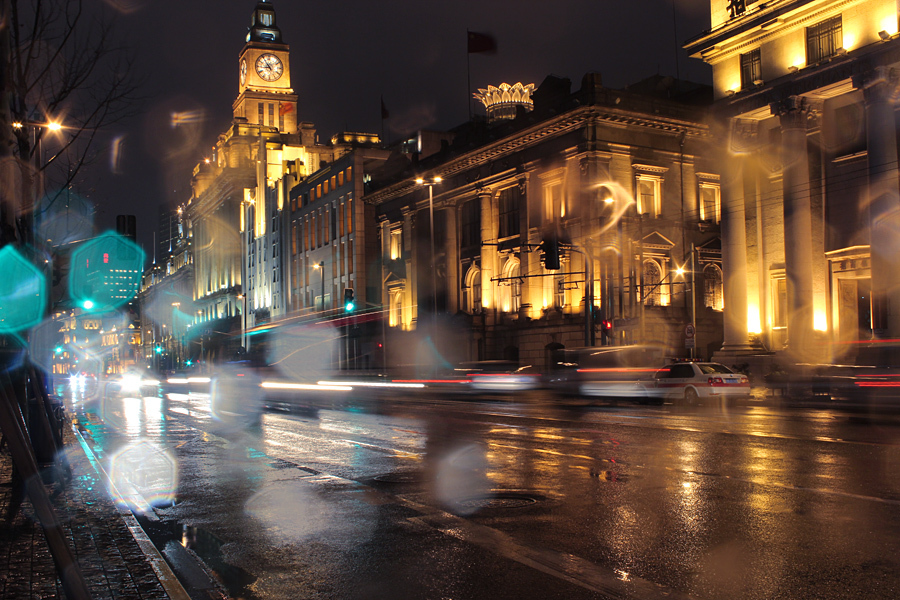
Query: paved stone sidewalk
x=111 y=558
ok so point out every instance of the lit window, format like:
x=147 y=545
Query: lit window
x=751 y=68
x=713 y=292
x=823 y=40
x=472 y=290
x=652 y=284
x=648 y=194
x=710 y=202
x=396 y=244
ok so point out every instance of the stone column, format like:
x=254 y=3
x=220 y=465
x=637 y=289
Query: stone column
x=489 y=255
x=793 y=113
x=878 y=86
x=734 y=257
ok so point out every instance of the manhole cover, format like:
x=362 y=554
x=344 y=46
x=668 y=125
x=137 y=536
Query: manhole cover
x=500 y=500
x=403 y=477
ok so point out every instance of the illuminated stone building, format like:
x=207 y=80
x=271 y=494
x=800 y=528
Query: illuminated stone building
x=617 y=179
x=166 y=298
x=806 y=108
x=332 y=238
x=239 y=193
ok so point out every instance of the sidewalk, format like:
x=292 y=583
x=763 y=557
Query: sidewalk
x=115 y=558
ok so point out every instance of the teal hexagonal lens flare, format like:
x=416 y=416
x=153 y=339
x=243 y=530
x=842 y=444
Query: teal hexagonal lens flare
x=23 y=292
x=105 y=273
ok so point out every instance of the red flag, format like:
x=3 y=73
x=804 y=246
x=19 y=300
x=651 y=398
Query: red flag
x=286 y=108
x=481 y=43
x=385 y=114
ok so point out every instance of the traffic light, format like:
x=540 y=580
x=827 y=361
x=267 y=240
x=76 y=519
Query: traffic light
x=550 y=248
x=606 y=331
x=349 y=302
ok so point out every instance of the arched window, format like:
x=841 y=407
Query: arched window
x=512 y=294
x=652 y=278
x=472 y=290
x=713 y=293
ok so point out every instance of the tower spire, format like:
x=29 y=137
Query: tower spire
x=262 y=24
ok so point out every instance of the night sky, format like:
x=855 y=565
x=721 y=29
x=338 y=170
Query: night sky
x=346 y=55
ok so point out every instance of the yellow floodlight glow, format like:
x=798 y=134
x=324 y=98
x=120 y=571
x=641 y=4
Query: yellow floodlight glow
x=889 y=23
x=753 y=323
x=420 y=181
x=820 y=322
x=53 y=126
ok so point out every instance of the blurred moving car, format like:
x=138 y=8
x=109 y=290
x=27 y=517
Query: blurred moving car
x=499 y=376
x=608 y=372
x=693 y=381
x=236 y=396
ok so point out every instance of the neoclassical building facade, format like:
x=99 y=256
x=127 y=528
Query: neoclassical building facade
x=561 y=211
x=806 y=114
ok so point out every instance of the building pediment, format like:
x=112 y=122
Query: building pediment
x=657 y=241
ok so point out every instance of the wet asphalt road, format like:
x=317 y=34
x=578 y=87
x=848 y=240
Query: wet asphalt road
x=405 y=496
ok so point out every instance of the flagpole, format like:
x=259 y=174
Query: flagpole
x=468 y=77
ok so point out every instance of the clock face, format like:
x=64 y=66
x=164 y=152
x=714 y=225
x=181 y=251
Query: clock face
x=269 y=67
x=243 y=72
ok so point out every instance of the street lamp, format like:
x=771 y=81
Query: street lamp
x=175 y=343
x=431 y=183
x=243 y=320
x=34 y=194
x=321 y=267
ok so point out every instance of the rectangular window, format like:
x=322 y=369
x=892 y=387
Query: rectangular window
x=648 y=195
x=349 y=214
x=510 y=208
x=751 y=69
x=294 y=241
x=271 y=114
x=552 y=201
x=333 y=223
x=396 y=244
x=326 y=187
x=349 y=173
x=470 y=224
x=340 y=178
x=823 y=40
x=341 y=219
x=710 y=202
x=333 y=181
x=262 y=114
x=315 y=232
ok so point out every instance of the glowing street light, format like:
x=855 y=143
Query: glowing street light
x=321 y=267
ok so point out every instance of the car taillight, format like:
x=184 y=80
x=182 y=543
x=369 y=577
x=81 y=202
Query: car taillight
x=745 y=380
x=715 y=380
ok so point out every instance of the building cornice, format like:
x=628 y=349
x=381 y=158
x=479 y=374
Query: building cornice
x=530 y=137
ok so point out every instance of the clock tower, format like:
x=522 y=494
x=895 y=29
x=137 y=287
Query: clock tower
x=265 y=95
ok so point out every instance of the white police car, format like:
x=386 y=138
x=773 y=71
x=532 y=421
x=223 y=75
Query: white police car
x=693 y=381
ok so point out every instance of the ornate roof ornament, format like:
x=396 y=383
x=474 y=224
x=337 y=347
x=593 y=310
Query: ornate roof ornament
x=501 y=102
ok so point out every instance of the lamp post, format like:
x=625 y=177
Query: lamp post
x=321 y=268
x=243 y=297
x=175 y=343
x=431 y=183
x=38 y=150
